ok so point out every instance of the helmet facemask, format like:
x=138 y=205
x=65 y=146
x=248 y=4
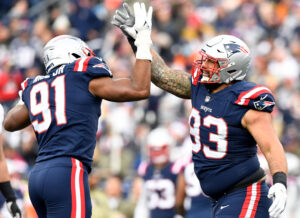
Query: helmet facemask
x=207 y=73
x=158 y=154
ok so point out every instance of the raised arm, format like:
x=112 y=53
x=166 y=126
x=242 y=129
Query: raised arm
x=176 y=82
x=124 y=89
x=138 y=85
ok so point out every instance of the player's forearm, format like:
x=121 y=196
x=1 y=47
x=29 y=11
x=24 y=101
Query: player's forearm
x=3 y=167
x=140 y=79
x=276 y=158
x=176 y=82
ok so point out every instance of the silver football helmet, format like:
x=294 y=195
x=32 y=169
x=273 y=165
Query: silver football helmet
x=64 y=49
x=230 y=57
x=159 y=142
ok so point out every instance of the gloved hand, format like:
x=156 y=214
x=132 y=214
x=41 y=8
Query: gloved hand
x=278 y=193
x=13 y=209
x=124 y=19
x=137 y=28
x=143 y=25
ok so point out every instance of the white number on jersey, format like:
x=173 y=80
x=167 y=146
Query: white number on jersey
x=220 y=139
x=43 y=106
x=160 y=194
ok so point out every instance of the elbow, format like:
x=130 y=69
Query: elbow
x=143 y=94
x=8 y=126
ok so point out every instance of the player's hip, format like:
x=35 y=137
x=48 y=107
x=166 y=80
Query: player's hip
x=250 y=201
x=61 y=161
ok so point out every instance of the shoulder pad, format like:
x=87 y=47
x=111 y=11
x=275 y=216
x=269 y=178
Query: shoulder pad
x=24 y=84
x=94 y=66
x=177 y=166
x=258 y=98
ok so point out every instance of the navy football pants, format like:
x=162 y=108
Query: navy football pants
x=250 y=202
x=58 y=188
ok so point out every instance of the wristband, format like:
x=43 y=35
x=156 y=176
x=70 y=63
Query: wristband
x=143 y=43
x=7 y=191
x=280 y=177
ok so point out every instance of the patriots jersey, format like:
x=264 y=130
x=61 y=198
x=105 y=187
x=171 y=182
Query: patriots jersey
x=160 y=185
x=224 y=152
x=63 y=113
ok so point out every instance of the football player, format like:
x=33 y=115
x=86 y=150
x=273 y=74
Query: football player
x=229 y=118
x=64 y=106
x=161 y=179
x=5 y=186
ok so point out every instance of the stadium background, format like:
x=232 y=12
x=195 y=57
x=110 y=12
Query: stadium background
x=271 y=28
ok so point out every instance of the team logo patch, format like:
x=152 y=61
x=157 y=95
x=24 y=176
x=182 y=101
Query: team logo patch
x=102 y=65
x=261 y=104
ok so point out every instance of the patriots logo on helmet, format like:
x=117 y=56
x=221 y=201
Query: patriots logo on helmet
x=233 y=48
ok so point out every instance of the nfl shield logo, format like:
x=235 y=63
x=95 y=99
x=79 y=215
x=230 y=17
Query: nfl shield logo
x=207 y=98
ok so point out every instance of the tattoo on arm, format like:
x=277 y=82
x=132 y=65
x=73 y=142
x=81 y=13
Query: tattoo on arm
x=176 y=82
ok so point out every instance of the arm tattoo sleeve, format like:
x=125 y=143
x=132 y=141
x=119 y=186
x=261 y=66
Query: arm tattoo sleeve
x=176 y=82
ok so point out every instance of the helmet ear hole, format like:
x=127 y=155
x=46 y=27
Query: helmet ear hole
x=231 y=71
x=76 y=55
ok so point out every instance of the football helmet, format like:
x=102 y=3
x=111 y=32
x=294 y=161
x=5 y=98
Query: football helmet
x=64 y=49
x=228 y=57
x=158 y=145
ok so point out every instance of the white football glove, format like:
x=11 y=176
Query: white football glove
x=138 y=27
x=143 y=25
x=13 y=209
x=124 y=19
x=278 y=193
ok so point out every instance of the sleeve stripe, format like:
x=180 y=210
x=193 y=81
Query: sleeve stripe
x=81 y=64
x=24 y=84
x=85 y=63
x=251 y=94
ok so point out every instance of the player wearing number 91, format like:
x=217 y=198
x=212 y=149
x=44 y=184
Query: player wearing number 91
x=229 y=118
x=63 y=107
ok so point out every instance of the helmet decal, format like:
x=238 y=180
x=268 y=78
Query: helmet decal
x=234 y=48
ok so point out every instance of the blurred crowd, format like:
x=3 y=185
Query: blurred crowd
x=271 y=28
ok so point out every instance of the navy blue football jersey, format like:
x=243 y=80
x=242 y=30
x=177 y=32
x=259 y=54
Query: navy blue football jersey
x=223 y=151
x=63 y=113
x=160 y=185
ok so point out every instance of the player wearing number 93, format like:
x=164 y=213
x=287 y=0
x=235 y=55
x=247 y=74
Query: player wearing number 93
x=229 y=118
x=64 y=106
